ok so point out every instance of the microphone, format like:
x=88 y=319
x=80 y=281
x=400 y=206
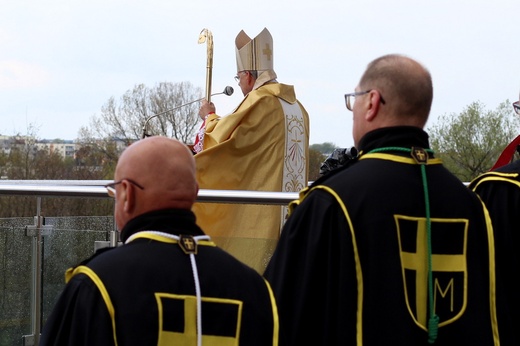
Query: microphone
x=227 y=91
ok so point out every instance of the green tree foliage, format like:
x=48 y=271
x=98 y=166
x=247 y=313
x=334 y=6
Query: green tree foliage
x=469 y=143
x=316 y=158
x=324 y=148
x=317 y=154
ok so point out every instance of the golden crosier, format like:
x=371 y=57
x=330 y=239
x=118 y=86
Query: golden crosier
x=206 y=36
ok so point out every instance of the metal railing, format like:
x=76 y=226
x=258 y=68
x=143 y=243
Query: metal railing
x=94 y=189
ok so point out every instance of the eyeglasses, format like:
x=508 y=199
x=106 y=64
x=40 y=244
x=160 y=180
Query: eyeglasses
x=349 y=102
x=516 y=107
x=237 y=77
x=111 y=188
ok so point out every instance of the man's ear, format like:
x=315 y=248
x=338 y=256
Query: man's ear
x=373 y=104
x=127 y=197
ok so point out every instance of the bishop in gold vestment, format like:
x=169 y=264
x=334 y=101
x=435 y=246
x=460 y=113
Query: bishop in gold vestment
x=261 y=146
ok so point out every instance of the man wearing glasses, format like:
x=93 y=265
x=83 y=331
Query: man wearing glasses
x=391 y=249
x=261 y=146
x=500 y=190
x=168 y=284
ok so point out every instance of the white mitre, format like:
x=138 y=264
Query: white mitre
x=256 y=54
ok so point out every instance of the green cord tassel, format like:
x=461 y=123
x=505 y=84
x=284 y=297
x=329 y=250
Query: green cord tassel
x=433 y=322
x=433 y=328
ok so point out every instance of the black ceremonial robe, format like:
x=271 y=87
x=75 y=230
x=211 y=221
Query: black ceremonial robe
x=500 y=191
x=352 y=266
x=144 y=293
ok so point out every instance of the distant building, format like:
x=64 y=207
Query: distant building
x=9 y=143
x=65 y=148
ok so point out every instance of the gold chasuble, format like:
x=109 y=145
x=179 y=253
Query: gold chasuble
x=261 y=146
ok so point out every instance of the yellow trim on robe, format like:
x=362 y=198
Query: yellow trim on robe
x=102 y=290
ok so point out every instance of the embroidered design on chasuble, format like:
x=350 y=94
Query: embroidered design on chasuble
x=295 y=161
x=449 y=267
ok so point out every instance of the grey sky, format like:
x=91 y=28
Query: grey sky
x=60 y=61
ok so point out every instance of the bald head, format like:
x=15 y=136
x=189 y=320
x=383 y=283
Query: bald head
x=406 y=86
x=164 y=167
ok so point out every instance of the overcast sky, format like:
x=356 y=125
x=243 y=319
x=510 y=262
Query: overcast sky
x=60 y=61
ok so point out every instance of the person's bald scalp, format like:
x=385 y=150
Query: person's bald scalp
x=405 y=84
x=165 y=168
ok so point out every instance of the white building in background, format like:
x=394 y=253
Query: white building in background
x=8 y=143
x=65 y=148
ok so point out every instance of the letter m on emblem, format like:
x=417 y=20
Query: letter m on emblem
x=448 y=239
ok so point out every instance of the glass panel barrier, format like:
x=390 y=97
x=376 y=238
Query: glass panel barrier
x=69 y=241
x=66 y=242
x=15 y=280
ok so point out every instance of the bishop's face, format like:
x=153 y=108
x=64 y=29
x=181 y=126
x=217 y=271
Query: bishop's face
x=246 y=81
